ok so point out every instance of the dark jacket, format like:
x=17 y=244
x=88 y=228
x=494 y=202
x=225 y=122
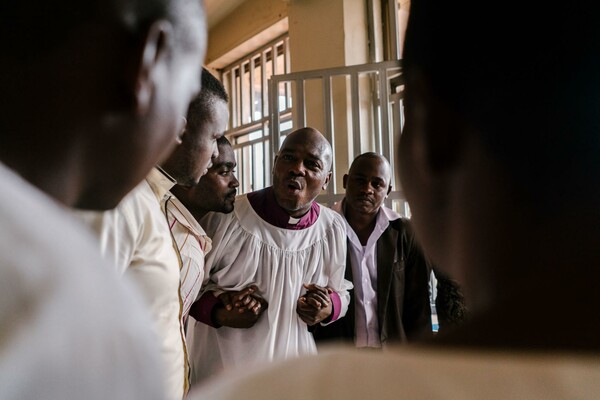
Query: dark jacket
x=403 y=303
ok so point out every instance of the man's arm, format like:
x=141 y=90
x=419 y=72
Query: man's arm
x=416 y=314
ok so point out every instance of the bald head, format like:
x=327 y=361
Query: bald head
x=371 y=158
x=302 y=169
x=315 y=138
x=367 y=184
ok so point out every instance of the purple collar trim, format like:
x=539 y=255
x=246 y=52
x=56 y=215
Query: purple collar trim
x=264 y=204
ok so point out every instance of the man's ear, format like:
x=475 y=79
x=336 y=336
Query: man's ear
x=153 y=53
x=326 y=181
x=182 y=131
x=345 y=180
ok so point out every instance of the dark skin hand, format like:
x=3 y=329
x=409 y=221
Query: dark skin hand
x=315 y=306
x=241 y=309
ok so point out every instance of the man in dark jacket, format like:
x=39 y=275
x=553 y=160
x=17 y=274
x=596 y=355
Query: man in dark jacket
x=390 y=300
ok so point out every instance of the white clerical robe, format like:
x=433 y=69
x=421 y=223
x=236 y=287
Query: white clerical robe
x=248 y=250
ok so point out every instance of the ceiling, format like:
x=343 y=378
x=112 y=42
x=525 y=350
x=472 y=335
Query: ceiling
x=216 y=10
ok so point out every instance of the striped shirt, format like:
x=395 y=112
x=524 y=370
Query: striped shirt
x=193 y=244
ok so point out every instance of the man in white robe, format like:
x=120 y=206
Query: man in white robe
x=290 y=249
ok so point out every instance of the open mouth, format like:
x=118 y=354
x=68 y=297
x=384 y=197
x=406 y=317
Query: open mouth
x=294 y=185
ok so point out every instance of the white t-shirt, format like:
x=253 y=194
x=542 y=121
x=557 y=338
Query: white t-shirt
x=413 y=374
x=69 y=327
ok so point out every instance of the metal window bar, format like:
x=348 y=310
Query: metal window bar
x=251 y=66
x=243 y=128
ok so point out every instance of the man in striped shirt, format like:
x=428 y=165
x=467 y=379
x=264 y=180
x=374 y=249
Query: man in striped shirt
x=215 y=192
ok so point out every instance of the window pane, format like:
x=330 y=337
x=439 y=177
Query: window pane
x=247 y=166
x=258 y=90
x=268 y=64
x=280 y=60
x=259 y=164
x=245 y=95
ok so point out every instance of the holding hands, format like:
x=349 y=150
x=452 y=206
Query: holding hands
x=315 y=306
x=240 y=309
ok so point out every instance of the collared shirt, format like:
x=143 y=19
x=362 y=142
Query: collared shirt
x=363 y=260
x=70 y=327
x=264 y=204
x=193 y=244
x=136 y=238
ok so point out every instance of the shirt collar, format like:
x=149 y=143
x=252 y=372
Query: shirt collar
x=264 y=204
x=188 y=221
x=388 y=213
x=160 y=182
x=384 y=216
x=183 y=216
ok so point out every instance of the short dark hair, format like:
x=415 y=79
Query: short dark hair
x=527 y=79
x=368 y=154
x=377 y=156
x=200 y=108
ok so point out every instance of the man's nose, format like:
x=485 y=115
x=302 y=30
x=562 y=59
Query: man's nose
x=234 y=182
x=366 y=188
x=297 y=168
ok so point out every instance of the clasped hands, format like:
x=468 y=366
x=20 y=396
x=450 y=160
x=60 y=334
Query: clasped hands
x=315 y=306
x=240 y=309
x=243 y=308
